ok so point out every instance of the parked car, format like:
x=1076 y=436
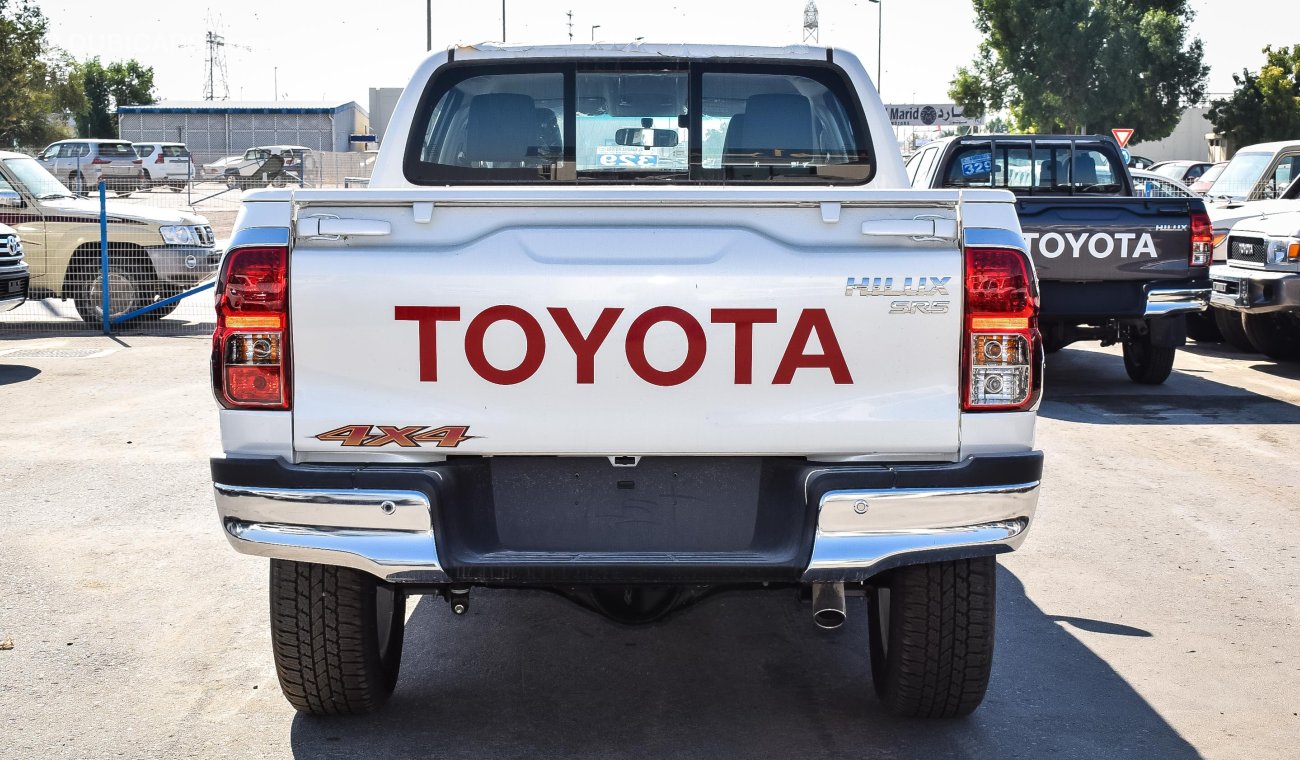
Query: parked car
x=1258 y=172
x=1260 y=283
x=215 y=170
x=1203 y=183
x=154 y=253
x=1150 y=184
x=1112 y=267
x=1227 y=215
x=289 y=165
x=15 y=276
x=1182 y=171
x=80 y=164
x=165 y=164
x=1139 y=162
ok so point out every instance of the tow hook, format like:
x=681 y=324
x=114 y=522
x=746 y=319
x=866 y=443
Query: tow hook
x=458 y=598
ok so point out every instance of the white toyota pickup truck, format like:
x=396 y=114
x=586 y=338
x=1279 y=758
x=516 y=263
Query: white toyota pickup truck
x=633 y=324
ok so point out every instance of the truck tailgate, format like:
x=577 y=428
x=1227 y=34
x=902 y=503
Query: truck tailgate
x=479 y=331
x=1078 y=238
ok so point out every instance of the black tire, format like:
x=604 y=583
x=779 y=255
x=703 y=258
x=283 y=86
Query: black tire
x=1275 y=335
x=1230 y=327
x=127 y=291
x=336 y=634
x=1202 y=329
x=1148 y=364
x=931 y=636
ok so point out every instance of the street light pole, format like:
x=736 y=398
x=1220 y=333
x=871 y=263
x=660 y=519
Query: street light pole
x=503 y=22
x=594 y=27
x=880 y=37
x=428 y=25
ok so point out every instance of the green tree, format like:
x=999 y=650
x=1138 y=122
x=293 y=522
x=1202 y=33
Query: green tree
x=107 y=87
x=1265 y=106
x=36 y=95
x=1069 y=66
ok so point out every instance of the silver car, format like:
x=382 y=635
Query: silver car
x=80 y=164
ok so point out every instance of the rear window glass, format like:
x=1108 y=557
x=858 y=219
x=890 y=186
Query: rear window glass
x=1056 y=168
x=650 y=122
x=117 y=150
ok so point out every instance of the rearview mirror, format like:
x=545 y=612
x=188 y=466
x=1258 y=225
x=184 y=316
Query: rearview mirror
x=647 y=138
x=10 y=199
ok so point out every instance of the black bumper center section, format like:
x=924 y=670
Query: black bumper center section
x=559 y=520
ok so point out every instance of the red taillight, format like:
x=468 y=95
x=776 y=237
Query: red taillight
x=250 y=346
x=1202 y=240
x=101 y=161
x=1002 y=344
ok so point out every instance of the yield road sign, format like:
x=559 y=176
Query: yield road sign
x=1122 y=136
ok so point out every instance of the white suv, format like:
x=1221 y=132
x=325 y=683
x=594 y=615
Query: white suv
x=164 y=163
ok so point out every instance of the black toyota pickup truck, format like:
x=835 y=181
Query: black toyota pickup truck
x=1111 y=266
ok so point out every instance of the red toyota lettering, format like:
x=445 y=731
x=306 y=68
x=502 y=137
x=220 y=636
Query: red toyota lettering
x=695 y=346
x=744 y=320
x=585 y=346
x=534 y=345
x=832 y=358
x=428 y=317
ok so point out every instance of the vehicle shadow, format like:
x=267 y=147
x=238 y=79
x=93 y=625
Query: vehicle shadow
x=745 y=675
x=1092 y=387
x=16 y=373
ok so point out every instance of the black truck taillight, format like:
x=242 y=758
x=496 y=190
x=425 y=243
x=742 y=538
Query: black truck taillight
x=1002 y=343
x=250 y=346
x=1202 y=240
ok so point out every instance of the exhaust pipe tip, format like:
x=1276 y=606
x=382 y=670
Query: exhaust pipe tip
x=829 y=619
x=828 y=605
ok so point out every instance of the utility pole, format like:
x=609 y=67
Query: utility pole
x=880 y=38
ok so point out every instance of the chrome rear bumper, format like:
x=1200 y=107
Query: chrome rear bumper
x=860 y=532
x=1163 y=302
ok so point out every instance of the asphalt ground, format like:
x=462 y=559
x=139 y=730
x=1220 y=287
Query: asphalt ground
x=1152 y=612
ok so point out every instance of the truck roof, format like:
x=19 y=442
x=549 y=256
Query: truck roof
x=487 y=50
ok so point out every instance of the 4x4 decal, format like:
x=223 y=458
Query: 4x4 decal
x=445 y=437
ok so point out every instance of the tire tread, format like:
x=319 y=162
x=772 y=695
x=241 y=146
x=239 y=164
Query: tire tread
x=323 y=638
x=941 y=638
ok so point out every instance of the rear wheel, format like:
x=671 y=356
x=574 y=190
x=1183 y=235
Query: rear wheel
x=336 y=634
x=1276 y=335
x=1146 y=363
x=1230 y=327
x=931 y=634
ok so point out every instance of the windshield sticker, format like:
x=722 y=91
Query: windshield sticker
x=617 y=155
x=976 y=163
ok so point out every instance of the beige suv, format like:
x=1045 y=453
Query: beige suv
x=153 y=253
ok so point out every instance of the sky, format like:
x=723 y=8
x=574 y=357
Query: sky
x=335 y=50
